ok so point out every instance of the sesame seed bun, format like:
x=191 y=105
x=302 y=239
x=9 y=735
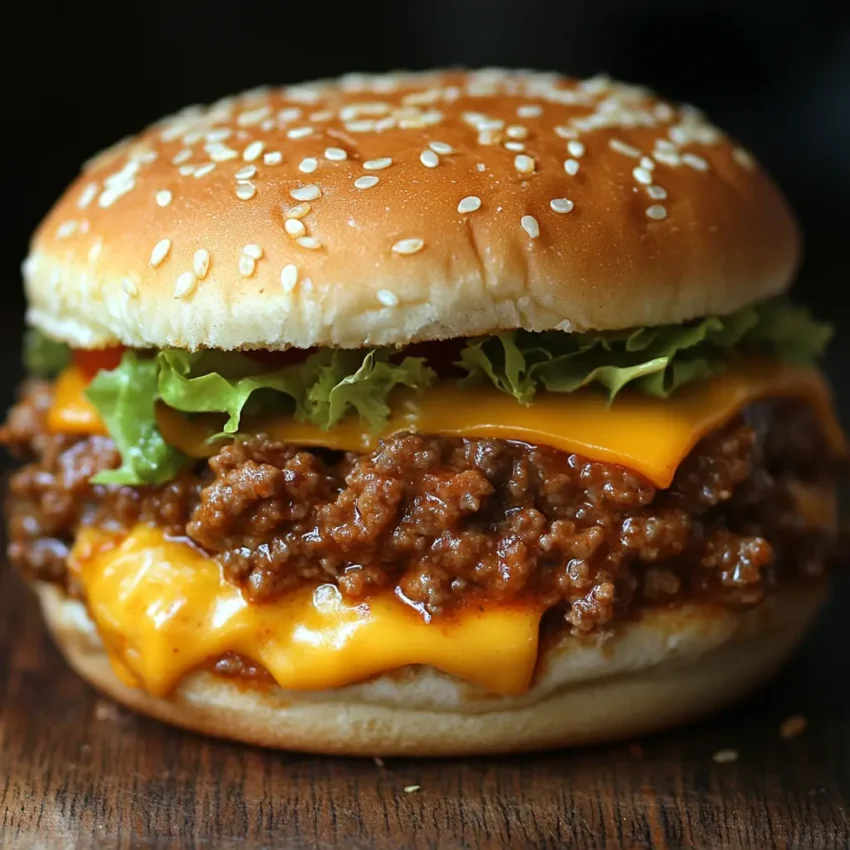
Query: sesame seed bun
x=669 y=667
x=390 y=209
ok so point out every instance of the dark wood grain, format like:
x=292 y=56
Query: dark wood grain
x=76 y=771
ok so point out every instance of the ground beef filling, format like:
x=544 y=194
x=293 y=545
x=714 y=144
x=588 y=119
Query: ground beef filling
x=447 y=520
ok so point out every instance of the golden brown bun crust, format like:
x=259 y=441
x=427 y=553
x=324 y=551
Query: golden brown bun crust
x=669 y=218
x=669 y=668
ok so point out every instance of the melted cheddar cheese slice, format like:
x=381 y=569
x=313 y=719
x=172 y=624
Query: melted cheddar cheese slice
x=163 y=609
x=648 y=435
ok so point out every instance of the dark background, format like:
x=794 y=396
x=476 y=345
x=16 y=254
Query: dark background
x=776 y=73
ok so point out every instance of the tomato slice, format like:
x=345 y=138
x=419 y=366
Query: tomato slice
x=90 y=362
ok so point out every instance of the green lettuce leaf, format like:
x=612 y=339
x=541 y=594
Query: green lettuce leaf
x=331 y=384
x=655 y=361
x=126 y=398
x=213 y=382
x=350 y=382
x=44 y=357
x=323 y=388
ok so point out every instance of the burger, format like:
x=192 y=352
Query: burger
x=435 y=413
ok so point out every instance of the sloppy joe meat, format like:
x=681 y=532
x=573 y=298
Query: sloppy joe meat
x=444 y=520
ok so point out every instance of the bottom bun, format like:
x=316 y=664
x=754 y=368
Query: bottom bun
x=669 y=667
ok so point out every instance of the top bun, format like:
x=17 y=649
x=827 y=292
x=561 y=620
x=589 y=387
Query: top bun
x=377 y=210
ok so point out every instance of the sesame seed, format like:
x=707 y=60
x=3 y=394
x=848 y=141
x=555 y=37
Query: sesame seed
x=253 y=250
x=299 y=211
x=66 y=229
x=469 y=204
x=488 y=137
x=565 y=132
x=575 y=148
x=109 y=196
x=516 y=131
x=201 y=263
x=429 y=159
x=743 y=158
x=272 y=158
x=163 y=198
x=725 y=756
x=308 y=165
x=663 y=111
x=181 y=156
x=299 y=132
x=571 y=166
x=678 y=135
x=291 y=113
x=514 y=146
x=387 y=297
x=221 y=153
x=358 y=110
x=480 y=166
x=253 y=151
x=245 y=190
x=361 y=125
x=665 y=145
x=530 y=226
x=294 y=227
x=219 y=134
x=695 y=162
x=409 y=789
x=308 y=242
x=289 y=277
x=160 y=252
x=306 y=193
x=335 y=154
x=656 y=211
x=408 y=246
x=94 y=251
x=87 y=195
x=531 y=110
x=524 y=164
x=246 y=173
x=656 y=192
x=440 y=147
x=642 y=175
x=491 y=125
x=366 y=182
x=252 y=116
x=185 y=284
x=129 y=287
x=204 y=169
x=667 y=158
x=647 y=162
x=247 y=265
x=84 y=225
x=623 y=148
x=186 y=170
x=561 y=205
x=378 y=164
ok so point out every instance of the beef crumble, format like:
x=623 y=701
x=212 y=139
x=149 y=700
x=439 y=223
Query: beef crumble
x=444 y=520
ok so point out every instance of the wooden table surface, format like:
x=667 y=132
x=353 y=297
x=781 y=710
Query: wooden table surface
x=78 y=772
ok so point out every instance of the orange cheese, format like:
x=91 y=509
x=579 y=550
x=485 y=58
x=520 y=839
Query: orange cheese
x=649 y=435
x=71 y=412
x=163 y=609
